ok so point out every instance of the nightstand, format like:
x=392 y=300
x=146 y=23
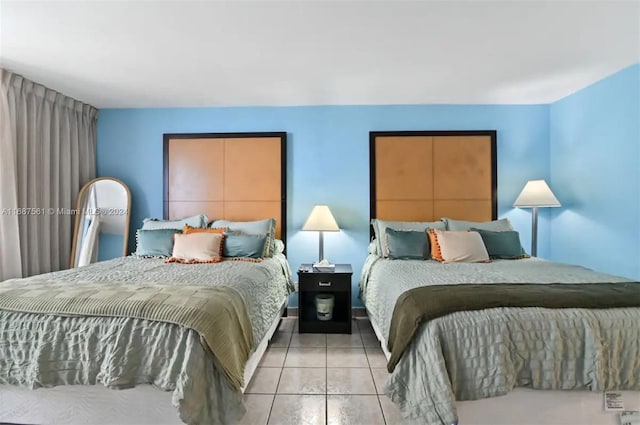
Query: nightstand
x=324 y=300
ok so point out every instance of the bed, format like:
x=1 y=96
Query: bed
x=63 y=369
x=486 y=366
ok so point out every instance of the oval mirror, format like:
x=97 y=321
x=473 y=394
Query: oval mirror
x=102 y=222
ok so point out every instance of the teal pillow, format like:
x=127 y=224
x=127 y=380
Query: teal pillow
x=407 y=245
x=379 y=227
x=199 y=221
x=501 y=225
x=503 y=245
x=155 y=242
x=259 y=227
x=247 y=246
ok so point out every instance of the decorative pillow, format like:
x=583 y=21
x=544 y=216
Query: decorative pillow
x=504 y=245
x=259 y=227
x=194 y=221
x=246 y=246
x=457 y=246
x=201 y=247
x=188 y=229
x=436 y=253
x=279 y=247
x=407 y=244
x=156 y=243
x=501 y=225
x=373 y=247
x=379 y=227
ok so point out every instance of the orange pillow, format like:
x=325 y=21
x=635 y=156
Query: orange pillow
x=188 y=229
x=436 y=252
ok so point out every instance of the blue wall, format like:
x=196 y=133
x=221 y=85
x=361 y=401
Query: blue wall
x=110 y=246
x=328 y=160
x=595 y=158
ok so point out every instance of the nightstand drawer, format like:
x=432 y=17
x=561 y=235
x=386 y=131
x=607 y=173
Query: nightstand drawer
x=321 y=282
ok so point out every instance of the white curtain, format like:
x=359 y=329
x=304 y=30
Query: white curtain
x=47 y=152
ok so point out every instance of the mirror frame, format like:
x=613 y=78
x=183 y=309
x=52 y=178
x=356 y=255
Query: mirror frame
x=76 y=225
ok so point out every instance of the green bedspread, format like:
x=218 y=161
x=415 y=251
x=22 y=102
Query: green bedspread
x=218 y=314
x=475 y=354
x=40 y=350
x=422 y=304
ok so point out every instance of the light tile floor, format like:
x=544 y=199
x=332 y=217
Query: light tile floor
x=333 y=379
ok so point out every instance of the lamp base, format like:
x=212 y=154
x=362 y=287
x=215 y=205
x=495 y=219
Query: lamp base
x=534 y=232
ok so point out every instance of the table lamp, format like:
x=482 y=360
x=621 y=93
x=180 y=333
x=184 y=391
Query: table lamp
x=536 y=194
x=321 y=220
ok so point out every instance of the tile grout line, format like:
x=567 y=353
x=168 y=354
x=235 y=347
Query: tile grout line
x=273 y=400
x=384 y=418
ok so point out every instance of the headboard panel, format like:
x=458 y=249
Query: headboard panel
x=233 y=176
x=426 y=175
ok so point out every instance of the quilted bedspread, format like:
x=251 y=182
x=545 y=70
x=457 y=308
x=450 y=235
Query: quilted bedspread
x=470 y=355
x=39 y=350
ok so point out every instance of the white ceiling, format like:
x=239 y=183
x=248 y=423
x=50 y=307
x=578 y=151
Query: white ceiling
x=183 y=53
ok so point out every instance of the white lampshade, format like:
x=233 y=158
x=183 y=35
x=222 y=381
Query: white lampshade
x=536 y=193
x=321 y=220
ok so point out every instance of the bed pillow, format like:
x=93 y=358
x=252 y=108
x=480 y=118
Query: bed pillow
x=194 y=221
x=188 y=229
x=380 y=226
x=501 y=225
x=244 y=246
x=373 y=247
x=407 y=244
x=457 y=246
x=200 y=247
x=279 y=247
x=259 y=227
x=504 y=245
x=156 y=243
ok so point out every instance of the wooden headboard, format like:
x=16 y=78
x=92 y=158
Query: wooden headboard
x=427 y=175
x=232 y=176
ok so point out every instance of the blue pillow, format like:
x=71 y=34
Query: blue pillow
x=259 y=227
x=155 y=243
x=502 y=245
x=199 y=221
x=247 y=246
x=501 y=225
x=407 y=245
x=379 y=227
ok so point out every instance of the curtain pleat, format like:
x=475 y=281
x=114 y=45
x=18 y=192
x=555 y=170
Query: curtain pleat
x=52 y=143
x=10 y=247
x=48 y=238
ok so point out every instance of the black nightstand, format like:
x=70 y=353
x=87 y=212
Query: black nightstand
x=324 y=284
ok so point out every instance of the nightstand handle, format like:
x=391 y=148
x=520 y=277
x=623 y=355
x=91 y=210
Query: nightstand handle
x=324 y=283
